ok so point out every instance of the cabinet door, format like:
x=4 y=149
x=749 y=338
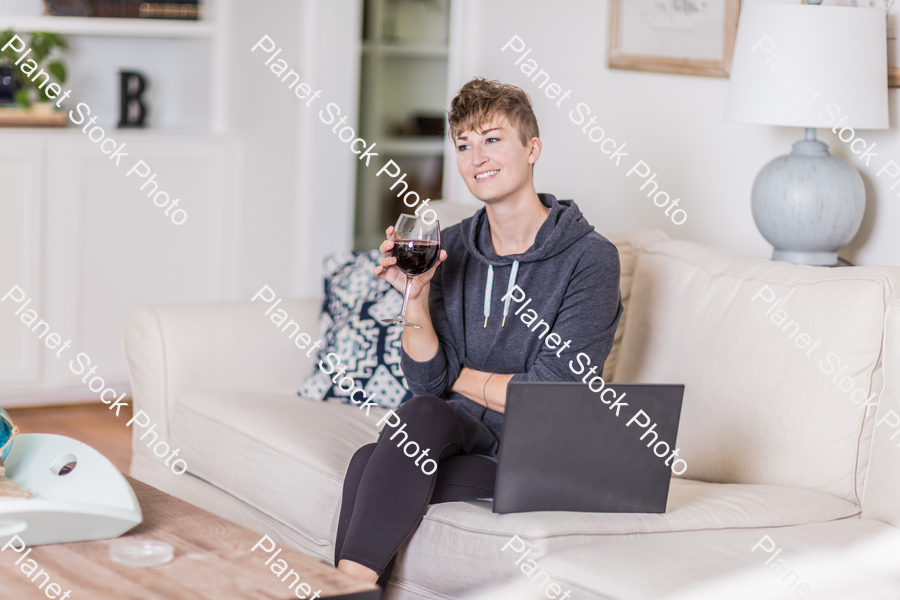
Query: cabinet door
x=111 y=249
x=21 y=197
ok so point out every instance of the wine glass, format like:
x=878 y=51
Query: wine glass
x=417 y=244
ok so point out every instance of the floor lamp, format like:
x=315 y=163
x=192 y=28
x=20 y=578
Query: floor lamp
x=810 y=66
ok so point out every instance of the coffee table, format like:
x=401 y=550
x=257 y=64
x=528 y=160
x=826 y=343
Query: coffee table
x=212 y=562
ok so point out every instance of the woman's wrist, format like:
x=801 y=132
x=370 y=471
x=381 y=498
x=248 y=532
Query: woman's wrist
x=420 y=344
x=422 y=296
x=473 y=385
x=417 y=308
x=484 y=390
x=481 y=387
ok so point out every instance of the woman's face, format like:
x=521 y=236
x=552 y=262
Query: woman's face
x=494 y=163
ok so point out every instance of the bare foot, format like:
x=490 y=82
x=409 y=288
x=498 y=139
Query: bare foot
x=357 y=571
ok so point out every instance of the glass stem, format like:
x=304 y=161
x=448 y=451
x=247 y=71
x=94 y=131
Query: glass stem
x=406 y=297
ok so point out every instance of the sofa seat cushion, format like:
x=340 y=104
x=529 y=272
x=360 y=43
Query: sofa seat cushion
x=285 y=456
x=459 y=544
x=711 y=565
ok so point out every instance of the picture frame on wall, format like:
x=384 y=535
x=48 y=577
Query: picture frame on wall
x=682 y=37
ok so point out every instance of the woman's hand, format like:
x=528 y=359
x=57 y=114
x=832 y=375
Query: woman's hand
x=397 y=278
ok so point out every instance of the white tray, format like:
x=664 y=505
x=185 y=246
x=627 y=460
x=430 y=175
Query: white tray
x=91 y=502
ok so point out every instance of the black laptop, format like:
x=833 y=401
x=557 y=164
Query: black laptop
x=564 y=449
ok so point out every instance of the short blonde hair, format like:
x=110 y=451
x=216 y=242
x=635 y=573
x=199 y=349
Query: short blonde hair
x=481 y=100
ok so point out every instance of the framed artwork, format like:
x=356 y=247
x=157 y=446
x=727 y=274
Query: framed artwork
x=892 y=8
x=685 y=37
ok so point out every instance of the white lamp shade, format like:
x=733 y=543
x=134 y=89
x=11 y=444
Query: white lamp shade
x=791 y=62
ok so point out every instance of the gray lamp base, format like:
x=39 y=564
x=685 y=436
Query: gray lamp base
x=817 y=259
x=808 y=204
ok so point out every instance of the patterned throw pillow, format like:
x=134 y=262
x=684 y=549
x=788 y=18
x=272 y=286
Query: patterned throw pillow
x=350 y=324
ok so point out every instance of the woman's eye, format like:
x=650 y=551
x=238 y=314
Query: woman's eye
x=461 y=148
x=494 y=139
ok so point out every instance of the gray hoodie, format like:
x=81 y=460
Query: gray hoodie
x=571 y=275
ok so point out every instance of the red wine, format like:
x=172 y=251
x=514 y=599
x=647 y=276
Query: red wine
x=415 y=257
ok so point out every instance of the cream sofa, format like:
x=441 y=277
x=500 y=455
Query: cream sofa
x=772 y=443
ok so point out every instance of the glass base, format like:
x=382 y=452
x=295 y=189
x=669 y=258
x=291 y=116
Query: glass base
x=401 y=320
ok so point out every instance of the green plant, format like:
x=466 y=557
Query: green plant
x=42 y=44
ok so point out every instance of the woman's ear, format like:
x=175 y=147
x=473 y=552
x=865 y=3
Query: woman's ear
x=535 y=152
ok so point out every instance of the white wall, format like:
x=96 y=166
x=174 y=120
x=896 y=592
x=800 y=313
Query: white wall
x=672 y=122
x=298 y=179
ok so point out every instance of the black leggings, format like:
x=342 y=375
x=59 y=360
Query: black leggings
x=386 y=494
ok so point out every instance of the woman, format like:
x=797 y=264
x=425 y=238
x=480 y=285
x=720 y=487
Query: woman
x=472 y=342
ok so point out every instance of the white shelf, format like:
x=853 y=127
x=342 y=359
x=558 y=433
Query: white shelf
x=404 y=73
x=407 y=50
x=414 y=147
x=150 y=28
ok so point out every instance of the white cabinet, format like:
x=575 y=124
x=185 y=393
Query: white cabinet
x=87 y=245
x=79 y=236
x=21 y=250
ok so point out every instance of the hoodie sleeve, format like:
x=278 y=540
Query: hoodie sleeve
x=434 y=376
x=588 y=317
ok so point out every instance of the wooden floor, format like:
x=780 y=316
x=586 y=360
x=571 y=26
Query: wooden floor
x=93 y=424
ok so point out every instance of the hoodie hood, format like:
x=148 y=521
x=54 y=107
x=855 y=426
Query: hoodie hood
x=564 y=226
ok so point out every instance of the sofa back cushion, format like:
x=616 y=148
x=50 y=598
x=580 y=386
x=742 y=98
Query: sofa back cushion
x=629 y=245
x=777 y=361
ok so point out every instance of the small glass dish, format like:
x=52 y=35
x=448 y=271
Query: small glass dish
x=141 y=553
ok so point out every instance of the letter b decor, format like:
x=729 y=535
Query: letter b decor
x=133 y=110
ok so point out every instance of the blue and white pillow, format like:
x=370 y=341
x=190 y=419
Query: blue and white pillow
x=350 y=325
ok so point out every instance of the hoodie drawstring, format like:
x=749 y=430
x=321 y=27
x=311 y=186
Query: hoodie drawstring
x=489 y=287
x=509 y=289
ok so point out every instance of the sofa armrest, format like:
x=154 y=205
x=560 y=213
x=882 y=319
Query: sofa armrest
x=172 y=350
x=881 y=499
